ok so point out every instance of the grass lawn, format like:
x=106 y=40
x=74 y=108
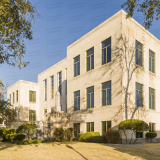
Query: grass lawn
x=79 y=150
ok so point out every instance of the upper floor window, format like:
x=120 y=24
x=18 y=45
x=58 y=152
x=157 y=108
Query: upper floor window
x=138 y=54
x=151 y=61
x=52 y=87
x=17 y=95
x=77 y=66
x=152 y=127
x=90 y=59
x=10 y=98
x=32 y=96
x=90 y=127
x=90 y=97
x=32 y=115
x=106 y=93
x=139 y=100
x=151 y=98
x=106 y=51
x=45 y=89
x=13 y=97
x=60 y=82
x=77 y=100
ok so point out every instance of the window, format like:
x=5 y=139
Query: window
x=151 y=61
x=76 y=129
x=139 y=134
x=45 y=111
x=138 y=54
x=17 y=95
x=77 y=66
x=106 y=51
x=52 y=109
x=32 y=96
x=90 y=59
x=13 y=97
x=105 y=126
x=90 y=127
x=60 y=82
x=17 y=111
x=139 y=95
x=151 y=98
x=77 y=100
x=45 y=89
x=106 y=93
x=10 y=98
x=32 y=115
x=90 y=97
x=52 y=87
x=152 y=127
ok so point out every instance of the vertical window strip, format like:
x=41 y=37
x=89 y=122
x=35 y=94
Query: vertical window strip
x=77 y=100
x=138 y=54
x=52 y=87
x=151 y=98
x=90 y=97
x=151 y=61
x=139 y=101
x=106 y=51
x=77 y=66
x=45 y=87
x=13 y=97
x=90 y=59
x=17 y=95
x=60 y=82
x=106 y=93
x=10 y=98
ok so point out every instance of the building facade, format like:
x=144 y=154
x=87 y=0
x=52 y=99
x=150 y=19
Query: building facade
x=90 y=83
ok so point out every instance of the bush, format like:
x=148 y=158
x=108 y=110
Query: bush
x=59 y=134
x=19 y=137
x=4 y=132
x=113 y=136
x=151 y=135
x=69 y=133
x=91 y=137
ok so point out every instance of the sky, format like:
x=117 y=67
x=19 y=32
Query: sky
x=61 y=23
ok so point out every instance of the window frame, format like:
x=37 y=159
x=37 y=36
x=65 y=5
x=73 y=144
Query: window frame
x=77 y=100
x=75 y=75
x=152 y=58
x=106 y=126
x=33 y=95
x=138 y=53
x=151 y=127
x=45 y=90
x=106 y=93
x=138 y=94
x=106 y=50
x=91 y=124
x=17 y=95
x=90 y=97
x=152 y=95
x=60 y=82
x=90 y=60
x=31 y=116
x=52 y=86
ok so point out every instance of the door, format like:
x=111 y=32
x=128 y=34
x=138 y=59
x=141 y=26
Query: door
x=76 y=129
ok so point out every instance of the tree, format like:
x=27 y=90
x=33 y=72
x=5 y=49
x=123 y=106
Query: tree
x=149 y=8
x=16 y=17
x=27 y=128
x=7 y=113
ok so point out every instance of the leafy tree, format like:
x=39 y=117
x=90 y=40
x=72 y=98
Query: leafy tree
x=149 y=8
x=27 y=128
x=16 y=18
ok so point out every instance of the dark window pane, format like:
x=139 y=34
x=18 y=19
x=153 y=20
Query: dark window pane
x=106 y=42
x=92 y=100
x=88 y=127
x=108 y=54
x=103 y=128
x=108 y=96
x=108 y=124
x=152 y=65
x=92 y=61
x=104 y=56
x=140 y=99
x=150 y=105
x=106 y=85
x=88 y=63
x=103 y=97
x=92 y=126
x=88 y=101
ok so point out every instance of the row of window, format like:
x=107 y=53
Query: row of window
x=105 y=126
x=106 y=57
x=106 y=96
x=52 y=86
x=13 y=95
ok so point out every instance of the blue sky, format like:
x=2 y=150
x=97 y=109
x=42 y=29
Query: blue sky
x=61 y=23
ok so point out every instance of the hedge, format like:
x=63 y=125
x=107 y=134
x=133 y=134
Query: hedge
x=11 y=137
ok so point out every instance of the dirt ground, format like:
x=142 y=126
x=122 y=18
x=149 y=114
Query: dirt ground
x=79 y=151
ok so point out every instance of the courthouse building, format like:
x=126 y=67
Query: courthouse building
x=90 y=83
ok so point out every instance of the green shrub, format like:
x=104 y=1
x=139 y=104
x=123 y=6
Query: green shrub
x=91 y=137
x=58 y=134
x=4 y=132
x=113 y=136
x=19 y=137
x=151 y=135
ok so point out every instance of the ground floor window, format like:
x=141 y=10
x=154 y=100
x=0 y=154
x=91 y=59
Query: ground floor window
x=105 y=126
x=32 y=115
x=152 y=127
x=90 y=127
x=76 y=129
x=139 y=134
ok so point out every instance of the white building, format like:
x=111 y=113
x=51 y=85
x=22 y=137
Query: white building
x=90 y=82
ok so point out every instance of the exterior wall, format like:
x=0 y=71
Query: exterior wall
x=23 y=103
x=49 y=103
x=97 y=76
